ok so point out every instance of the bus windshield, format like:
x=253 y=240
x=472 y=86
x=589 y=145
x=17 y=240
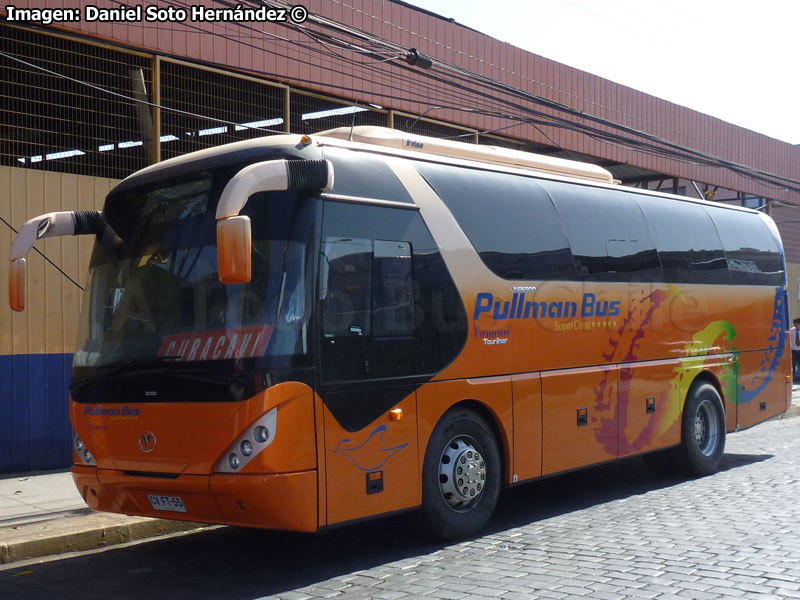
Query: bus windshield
x=154 y=297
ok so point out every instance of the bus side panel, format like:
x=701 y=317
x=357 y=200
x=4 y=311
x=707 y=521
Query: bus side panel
x=527 y=461
x=322 y=491
x=374 y=470
x=649 y=407
x=579 y=418
x=286 y=501
x=761 y=389
x=721 y=367
x=492 y=392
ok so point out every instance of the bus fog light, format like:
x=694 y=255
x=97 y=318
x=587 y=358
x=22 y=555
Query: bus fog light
x=233 y=461
x=246 y=447
x=87 y=456
x=261 y=434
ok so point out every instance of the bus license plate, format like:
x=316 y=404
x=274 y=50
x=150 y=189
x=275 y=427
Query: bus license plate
x=173 y=503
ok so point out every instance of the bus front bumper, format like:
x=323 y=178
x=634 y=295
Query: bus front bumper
x=286 y=501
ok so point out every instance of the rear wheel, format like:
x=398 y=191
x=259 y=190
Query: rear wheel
x=461 y=474
x=703 y=430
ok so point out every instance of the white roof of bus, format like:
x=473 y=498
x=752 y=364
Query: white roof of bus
x=391 y=141
x=416 y=144
x=399 y=140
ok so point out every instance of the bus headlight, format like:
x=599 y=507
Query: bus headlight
x=248 y=445
x=82 y=451
x=261 y=434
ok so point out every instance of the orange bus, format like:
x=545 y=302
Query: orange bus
x=299 y=332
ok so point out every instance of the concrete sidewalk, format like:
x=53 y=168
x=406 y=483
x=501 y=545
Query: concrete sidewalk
x=42 y=514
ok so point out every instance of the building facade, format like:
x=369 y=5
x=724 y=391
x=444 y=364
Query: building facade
x=87 y=102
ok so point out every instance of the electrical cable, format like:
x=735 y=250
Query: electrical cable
x=459 y=74
x=132 y=99
x=682 y=152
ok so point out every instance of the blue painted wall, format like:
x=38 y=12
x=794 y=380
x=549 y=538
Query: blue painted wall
x=35 y=432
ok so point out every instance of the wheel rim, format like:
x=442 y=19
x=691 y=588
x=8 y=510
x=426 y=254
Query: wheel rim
x=706 y=427
x=462 y=474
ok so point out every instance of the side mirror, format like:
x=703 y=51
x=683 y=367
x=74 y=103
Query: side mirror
x=16 y=284
x=67 y=222
x=234 y=249
x=234 y=240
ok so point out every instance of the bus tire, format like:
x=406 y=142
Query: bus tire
x=702 y=430
x=460 y=474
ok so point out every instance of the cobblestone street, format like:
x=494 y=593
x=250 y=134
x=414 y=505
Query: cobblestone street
x=618 y=532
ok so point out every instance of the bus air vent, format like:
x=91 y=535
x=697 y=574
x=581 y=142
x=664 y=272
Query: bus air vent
x=308 y=174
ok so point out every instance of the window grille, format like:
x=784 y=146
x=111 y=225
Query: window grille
x=51 y=121
x=311 y=114
x=232 y=108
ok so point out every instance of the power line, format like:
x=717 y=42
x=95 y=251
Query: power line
x=460 y=80
x=675 y=151
x=380 y=46
x=132 y=99
x=682 y=152
x=545 y=120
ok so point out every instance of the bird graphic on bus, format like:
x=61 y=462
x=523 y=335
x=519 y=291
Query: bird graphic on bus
x=370 y=454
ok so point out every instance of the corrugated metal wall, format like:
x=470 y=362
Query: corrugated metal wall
x=36 y=345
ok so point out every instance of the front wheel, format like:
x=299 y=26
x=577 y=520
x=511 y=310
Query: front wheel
x=703 y=430
x=461 y=474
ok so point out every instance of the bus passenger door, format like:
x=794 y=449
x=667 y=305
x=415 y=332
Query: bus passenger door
x=367 y=341
x=579 y=418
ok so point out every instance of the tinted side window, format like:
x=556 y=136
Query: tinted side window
x=393 y=290
x=345 y=286
x=365 y=175
x=366 y=287
x=509 y=219
x=607 y=231
x=687 y=241
x=754 y=257
x=388 y=305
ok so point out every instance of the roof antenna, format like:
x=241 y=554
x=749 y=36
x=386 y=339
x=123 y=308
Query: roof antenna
x=353 y=124
x=417 y=120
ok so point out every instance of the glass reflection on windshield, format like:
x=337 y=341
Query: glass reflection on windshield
x=161 y=296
